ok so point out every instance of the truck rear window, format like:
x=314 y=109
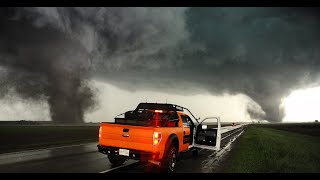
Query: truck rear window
x=147 y=118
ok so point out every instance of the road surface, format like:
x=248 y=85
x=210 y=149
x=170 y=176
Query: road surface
x=85 y=158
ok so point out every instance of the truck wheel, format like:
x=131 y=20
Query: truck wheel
x=116 y=160
x=170 y=160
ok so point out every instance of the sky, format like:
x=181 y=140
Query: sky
x=302 y=105
x=68 y=64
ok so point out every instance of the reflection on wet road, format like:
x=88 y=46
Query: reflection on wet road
x=69 y=159
x=85 y=158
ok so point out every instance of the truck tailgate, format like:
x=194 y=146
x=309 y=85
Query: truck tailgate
x=126 y=136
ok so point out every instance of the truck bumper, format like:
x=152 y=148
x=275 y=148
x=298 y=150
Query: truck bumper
x=133 y=154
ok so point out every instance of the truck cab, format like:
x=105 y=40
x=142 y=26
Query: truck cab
x=156 y=133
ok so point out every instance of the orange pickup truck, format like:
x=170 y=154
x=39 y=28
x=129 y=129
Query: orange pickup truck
x=156 y=133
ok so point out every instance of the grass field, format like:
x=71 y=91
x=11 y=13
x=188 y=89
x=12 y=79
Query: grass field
x=303 y=128
x=17 y=138
x=267 y=150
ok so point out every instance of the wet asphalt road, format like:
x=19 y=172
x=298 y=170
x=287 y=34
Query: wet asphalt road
x=85 y=158
x=187 y=163
x=70 y=159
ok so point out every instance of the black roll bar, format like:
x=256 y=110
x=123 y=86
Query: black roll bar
x=192 y=114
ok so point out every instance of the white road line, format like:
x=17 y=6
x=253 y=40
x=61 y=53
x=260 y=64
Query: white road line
x=35 y=150
x=230 y=134
x=225 y=129
x=108 y=170
x=22 y=156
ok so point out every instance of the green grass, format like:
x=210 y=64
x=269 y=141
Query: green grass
x=19 y=138
x=312 y=129
x=266 y=150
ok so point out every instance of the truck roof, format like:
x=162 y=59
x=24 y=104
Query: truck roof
x=160 y=106
x=163 y=106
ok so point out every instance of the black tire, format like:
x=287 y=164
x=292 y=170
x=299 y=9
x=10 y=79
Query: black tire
x=116 y=160
x=195 y=152
x=170 y=160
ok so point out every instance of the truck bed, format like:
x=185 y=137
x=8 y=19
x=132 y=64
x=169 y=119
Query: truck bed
x=126 y=136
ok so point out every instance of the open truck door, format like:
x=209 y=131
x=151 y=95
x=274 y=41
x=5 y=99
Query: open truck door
x=207 y=137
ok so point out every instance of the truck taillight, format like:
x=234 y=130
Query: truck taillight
x=100 y=130
x=156 y=138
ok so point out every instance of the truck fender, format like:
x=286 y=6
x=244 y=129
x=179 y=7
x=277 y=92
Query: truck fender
x=172 y=139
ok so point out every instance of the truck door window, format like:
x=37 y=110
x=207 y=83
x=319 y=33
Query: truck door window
x=174 y=116
x=189 y=121
x=173 y=120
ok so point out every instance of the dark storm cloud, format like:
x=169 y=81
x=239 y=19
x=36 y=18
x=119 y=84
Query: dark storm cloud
x=51 y=53
x=261 y=52
x=42 y=64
